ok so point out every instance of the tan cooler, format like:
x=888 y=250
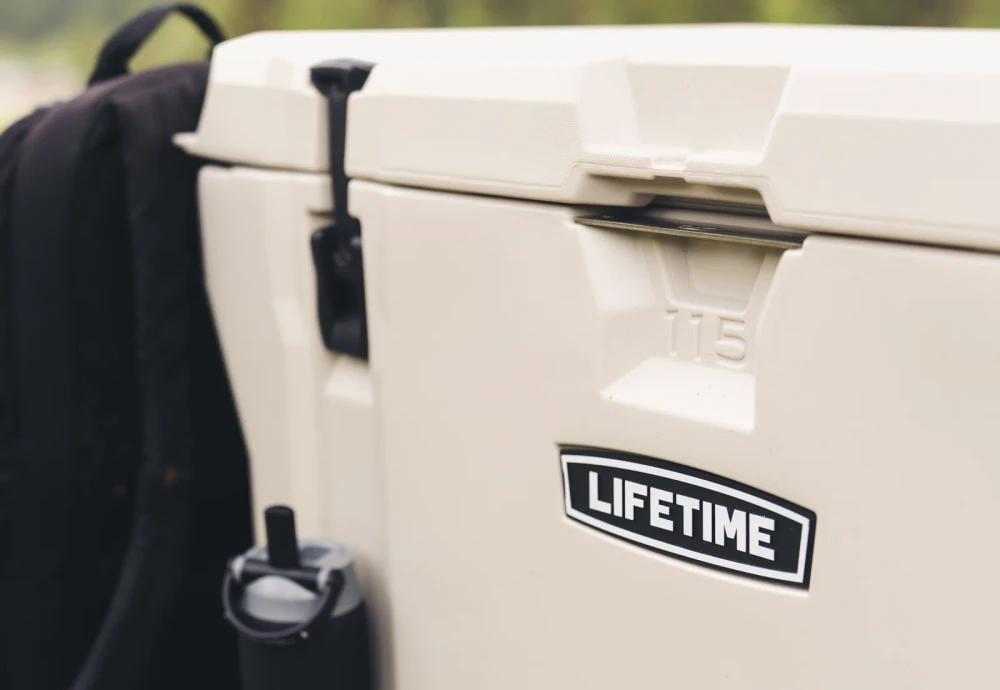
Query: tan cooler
x=675 y=357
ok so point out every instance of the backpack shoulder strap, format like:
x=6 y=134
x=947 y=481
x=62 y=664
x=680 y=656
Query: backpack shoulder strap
x=10 y=149
x=58 y=283
x=10 y=153
x=190 y=442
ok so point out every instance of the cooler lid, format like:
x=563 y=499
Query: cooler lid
x=885 y=132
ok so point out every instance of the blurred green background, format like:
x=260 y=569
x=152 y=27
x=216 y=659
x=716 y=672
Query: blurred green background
x=47 y=46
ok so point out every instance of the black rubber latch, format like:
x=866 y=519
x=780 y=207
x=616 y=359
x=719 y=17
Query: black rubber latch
x=336 y=248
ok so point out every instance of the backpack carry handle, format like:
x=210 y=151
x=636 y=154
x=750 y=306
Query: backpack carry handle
x=126 y=41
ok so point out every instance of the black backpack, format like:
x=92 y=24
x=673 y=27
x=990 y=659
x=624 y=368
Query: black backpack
x=123 y=472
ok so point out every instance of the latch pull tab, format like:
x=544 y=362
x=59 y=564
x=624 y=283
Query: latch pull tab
x=336 y=248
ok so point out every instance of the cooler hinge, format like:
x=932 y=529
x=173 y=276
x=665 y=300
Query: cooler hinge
x=336 y=248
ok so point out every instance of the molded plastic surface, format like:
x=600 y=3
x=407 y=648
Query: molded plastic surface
x=879 y=132
x=855 y=377
x=852 y=377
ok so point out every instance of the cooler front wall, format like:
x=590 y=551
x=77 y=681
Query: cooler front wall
x=857 y=379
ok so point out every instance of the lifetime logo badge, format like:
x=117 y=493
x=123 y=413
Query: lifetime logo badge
x=690 y=515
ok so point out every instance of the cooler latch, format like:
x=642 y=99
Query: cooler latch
x=336 y=248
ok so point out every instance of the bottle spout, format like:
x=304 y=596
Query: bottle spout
x=282 y=542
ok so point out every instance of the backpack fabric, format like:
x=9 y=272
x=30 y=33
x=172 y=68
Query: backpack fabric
x=10 y=148
x=127 y=484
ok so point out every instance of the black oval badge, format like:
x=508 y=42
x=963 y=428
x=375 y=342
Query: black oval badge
x=689 y=514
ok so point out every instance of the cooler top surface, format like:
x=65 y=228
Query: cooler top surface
x=252 y=59
x=881 y=132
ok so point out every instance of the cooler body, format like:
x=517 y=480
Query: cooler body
x=681 y=363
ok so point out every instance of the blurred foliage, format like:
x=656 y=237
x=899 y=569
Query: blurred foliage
x=70 y=31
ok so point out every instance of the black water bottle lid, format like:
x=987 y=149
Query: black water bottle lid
x=279 y=592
